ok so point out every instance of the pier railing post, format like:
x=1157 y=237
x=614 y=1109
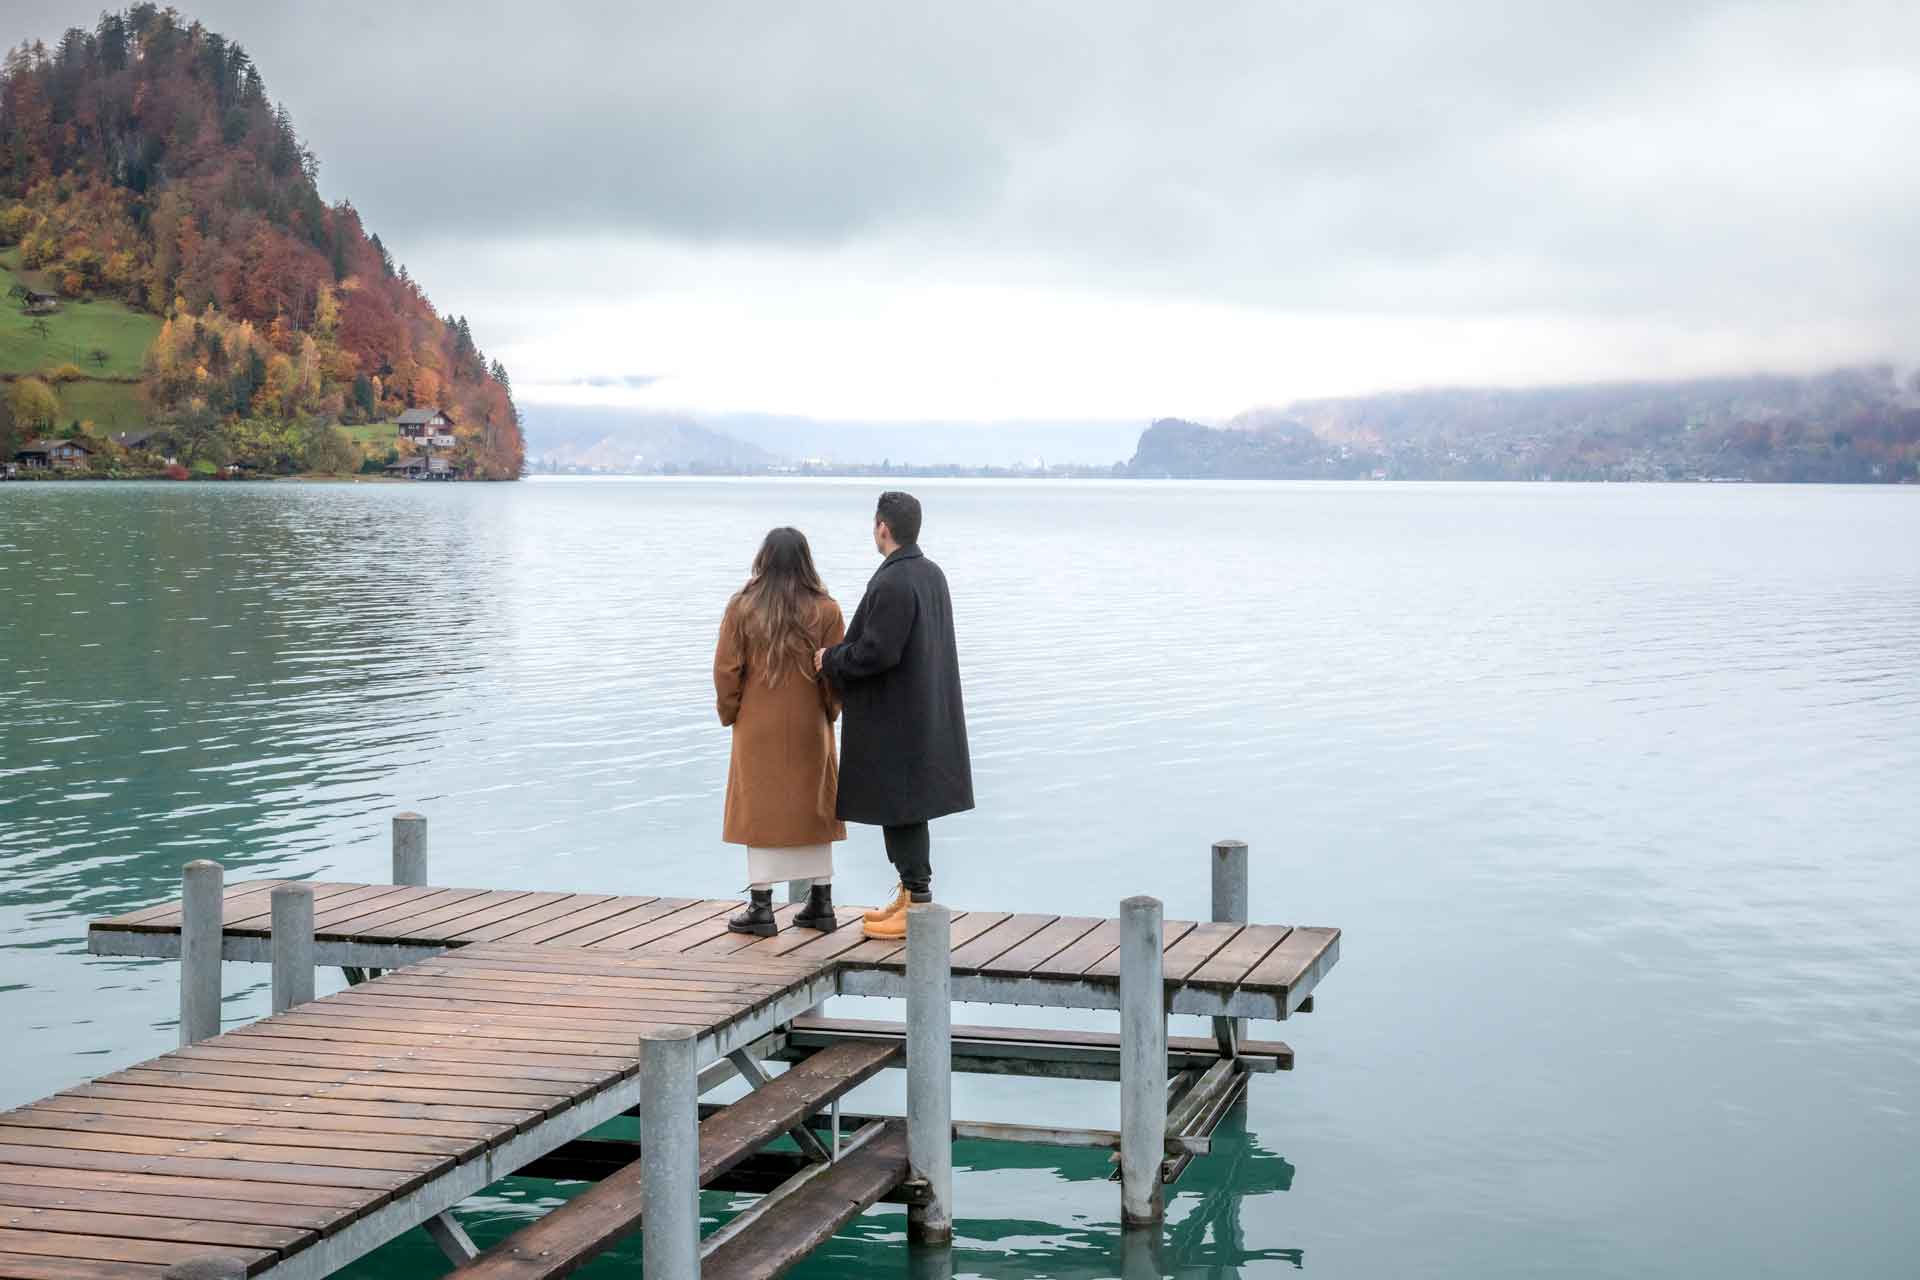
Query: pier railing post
x=409 y=849
x=930 y=1070
x=1143 y=1061
x=1230 y=907
x=201 y=910
x=670 y=1153
x=292 y=946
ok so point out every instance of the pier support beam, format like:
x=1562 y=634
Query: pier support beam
x=1230 y=907
x=670 y=1153
x=201 y=911
x=930 y=1070
x=1143 y=1061
x=409 y=849
x=292 y=946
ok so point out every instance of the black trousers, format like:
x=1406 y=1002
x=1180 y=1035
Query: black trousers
x=910 y=850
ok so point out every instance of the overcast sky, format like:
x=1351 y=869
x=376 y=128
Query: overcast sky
x=1115 y=210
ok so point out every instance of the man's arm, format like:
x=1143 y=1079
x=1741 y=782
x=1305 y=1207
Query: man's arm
x=889 y=612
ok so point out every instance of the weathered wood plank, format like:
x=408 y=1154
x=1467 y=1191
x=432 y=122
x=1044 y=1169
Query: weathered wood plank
x=24 y=1266
x=377 y=1165
x=169 y=1090
x=298 y=1221
x=131 y=1224
x=191 y=1130
x=1021 y=960
x=228 y=1186
x=1108 y=966
x=1285 y=964
x=1198 y=947
x=546 y=924
x=1072 y=960
x=590 y=1223
x=367 y=1181
x=329 y=1123
x=54 y=1244
x=806 y=1219
x=666 y=926
x=1235 y=960
x=1008 y=934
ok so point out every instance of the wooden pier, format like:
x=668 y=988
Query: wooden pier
x=488 y=1032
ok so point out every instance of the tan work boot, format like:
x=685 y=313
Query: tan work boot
x=899 y=903
x=891 y=928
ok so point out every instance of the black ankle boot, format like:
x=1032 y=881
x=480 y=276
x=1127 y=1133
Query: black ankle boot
x=758 y=917
x=818 y=913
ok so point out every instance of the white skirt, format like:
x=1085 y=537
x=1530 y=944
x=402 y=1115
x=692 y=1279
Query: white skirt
x=794 y=862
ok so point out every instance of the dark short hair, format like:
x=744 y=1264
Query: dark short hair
x=900 y=512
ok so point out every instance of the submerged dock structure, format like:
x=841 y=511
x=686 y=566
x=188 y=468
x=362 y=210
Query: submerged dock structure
x=487 y=1032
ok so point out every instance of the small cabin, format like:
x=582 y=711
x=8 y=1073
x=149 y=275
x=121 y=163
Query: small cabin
x=433 y=427
x=53 y=455
x=420 y=467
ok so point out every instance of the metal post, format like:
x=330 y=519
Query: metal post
x=670 y=1153
x=1143 y=1061
x=409 y=849
x=1230 y=907
x=930 y=1070
x=292 y=946
x=797 y=890
x=201 y=910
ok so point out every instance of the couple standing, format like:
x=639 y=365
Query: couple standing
x=785 y=668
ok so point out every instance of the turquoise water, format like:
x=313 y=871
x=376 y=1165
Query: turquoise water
x=1611 y=788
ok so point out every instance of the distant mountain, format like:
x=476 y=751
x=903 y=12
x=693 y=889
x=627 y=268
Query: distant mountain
x=566 y=432
x=600 y=439
x=1848 y=425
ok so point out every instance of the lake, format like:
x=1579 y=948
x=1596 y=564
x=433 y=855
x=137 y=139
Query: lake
x=1611 y=788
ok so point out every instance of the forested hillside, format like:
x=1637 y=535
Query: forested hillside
x=143 y=164
x=1845 y=426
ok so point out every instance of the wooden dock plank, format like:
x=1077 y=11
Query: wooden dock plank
x=1234 y=961
x=259 y=916
x=190 y=1129
x=76 y=1247
x=177 y=1229
x=388 y=912
x=229 y=1186
x=591 y=1222
x=1108 y=966
x=343 y=1126
x=574 y=904
x=662 y=926
x=297 y=1221
x=24 y=1266
x=1009 y=933
x=1021 y=960
x=1199 y=946
x=359 y=1168
x=167 y=1092
x=609 y=926
x=806 y=1219
x=1285 y=964
x=367 y=1182
x=546 y=923
x=1072 y=960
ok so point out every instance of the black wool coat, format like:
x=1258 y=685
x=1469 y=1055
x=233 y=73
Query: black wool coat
x=903 y=737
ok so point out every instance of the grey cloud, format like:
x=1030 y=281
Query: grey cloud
x=1681 y=157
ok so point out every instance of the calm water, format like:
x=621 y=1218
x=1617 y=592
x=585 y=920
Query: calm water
x=1611 y=788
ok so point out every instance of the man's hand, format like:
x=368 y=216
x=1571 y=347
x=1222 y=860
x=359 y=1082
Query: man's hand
x=819 y=659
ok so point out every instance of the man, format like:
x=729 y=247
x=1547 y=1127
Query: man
x=903 y=755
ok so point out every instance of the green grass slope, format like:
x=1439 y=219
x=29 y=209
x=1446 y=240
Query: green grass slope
x=109 y=394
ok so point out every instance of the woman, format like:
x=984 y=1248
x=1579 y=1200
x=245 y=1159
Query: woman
x=783 y=778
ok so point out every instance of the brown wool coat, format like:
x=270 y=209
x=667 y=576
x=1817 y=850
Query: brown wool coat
x=783 y=779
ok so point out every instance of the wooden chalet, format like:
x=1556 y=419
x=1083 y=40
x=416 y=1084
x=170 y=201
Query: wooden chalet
x=53 y=455
x=430 y=427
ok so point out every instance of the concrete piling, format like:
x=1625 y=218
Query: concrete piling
x=409 y=849
x=1230 y=907
x=670 y=1153
x=930 y=1070
x=1143 y=1061
x=201 y=909
x=292 y=946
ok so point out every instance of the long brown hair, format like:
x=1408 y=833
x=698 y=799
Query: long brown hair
x=780 y=606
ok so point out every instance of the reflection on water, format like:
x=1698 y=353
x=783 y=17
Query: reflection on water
x=1611 y=788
